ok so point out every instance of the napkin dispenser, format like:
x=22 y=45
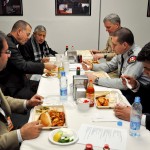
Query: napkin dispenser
x=72 y=56
x=80 y=91
x=81 y=80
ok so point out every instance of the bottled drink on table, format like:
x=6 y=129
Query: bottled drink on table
x=60 y=69
x=135 y=117
x=63 y=86
x=78 y=71
x=90 y=93
x=79 y=58
x=72 y=48
x=66 y=50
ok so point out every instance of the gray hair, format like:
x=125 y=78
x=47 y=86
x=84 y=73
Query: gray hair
x=39 y=28
x=113 y=18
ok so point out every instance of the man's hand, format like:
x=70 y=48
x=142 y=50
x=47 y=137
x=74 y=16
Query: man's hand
x=49 y=66
x=122 y=112
x=91 y=76
x=31 y=130
x=132 y=81
x=94 y=51
x=34 y=101
x=87 y=65
x=45 y=60
x=98 y=56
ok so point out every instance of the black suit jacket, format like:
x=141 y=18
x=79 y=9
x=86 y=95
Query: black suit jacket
x=147 y=121
x=13 y=77
x=143 y=93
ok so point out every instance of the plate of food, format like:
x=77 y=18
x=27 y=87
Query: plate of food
x=51 y=117
x=106 y=99
x=63 y=136
x=49 y=74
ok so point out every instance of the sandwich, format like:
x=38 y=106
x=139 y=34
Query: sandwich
x=45 y=119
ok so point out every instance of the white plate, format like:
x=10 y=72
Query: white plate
x=51 y=135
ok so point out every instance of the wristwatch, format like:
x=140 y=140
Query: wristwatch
x=96 y=81
x=105 y=56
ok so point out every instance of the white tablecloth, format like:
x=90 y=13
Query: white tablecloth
x=49 y=88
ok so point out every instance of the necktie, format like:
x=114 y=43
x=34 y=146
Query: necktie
x=122 y=61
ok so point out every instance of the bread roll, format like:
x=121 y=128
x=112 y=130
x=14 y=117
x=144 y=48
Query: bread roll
x=45 y=119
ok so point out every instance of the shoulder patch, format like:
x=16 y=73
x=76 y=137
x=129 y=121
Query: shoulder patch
x=132 y=59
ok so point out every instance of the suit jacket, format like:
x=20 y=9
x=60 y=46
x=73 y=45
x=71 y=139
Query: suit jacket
x=13 y=77
x=9 y=140
x=28 y=52
x=148 y=121
x=143 y=93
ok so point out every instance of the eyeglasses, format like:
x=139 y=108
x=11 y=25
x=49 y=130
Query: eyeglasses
x=7 y=52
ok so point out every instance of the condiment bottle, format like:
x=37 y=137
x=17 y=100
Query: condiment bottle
x=78 y=71
x=90 y=93
x=66 y=50
x=89 y=147
x=106 y=147
x=60 y=69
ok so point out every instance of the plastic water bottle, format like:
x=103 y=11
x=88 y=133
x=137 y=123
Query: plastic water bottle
x=63 y=86
x=135 y=117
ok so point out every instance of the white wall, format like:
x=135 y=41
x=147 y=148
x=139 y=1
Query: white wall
x=133 y=14
x=82 y=31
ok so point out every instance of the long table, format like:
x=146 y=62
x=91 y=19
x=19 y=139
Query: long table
x=49 y=88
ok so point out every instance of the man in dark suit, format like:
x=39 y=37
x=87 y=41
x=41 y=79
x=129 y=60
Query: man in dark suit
x=142 y=91
x=13 y=79
x=36 y=48
x=9 y=137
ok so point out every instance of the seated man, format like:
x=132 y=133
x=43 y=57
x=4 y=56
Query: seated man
x=10 y=139
x=112 y=23
x=36 y=49
x=141 y=90
x=13 y=79
x=125 y=61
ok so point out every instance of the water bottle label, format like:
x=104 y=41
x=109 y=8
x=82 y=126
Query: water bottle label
x=135 y=125
x=63 y=92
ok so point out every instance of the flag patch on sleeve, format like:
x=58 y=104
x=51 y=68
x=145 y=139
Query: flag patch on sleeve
x=132 y=59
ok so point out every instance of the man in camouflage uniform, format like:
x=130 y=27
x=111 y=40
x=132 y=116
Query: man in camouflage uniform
x=112 y=23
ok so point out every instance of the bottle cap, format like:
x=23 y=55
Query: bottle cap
x=106 y=146
x=89 y=147
x=78 y=67
x=119 y=123
x=137 y=99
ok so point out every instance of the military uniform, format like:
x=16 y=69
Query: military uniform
x=108 y=52
x=130 y=67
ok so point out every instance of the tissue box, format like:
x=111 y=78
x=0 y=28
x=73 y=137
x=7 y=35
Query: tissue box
x=80 y=91
x=79 y=80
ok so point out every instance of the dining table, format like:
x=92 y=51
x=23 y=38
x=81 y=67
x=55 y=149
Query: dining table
x=49 y=88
